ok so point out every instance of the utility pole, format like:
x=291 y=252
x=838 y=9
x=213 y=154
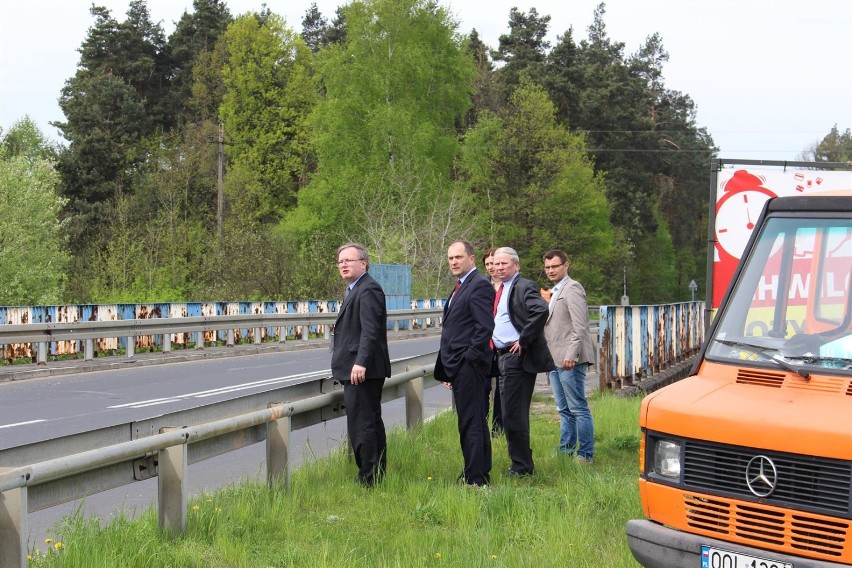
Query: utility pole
x=220 y=205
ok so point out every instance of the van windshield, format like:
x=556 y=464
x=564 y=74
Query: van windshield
x=791 y=306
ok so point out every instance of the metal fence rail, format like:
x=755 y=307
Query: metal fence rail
x=46 y=336
x=43 y=474
x=634 y=342
x=638 y=341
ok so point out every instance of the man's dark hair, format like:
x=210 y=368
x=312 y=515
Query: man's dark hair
x=468 y=248
x=556 y=253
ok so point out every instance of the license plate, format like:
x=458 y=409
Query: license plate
x=718 y=558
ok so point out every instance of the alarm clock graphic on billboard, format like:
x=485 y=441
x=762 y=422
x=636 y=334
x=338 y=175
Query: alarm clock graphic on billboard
x=737 y=210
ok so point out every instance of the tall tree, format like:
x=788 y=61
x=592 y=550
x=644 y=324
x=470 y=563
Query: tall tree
x=142 y=61
x=613 y=107
x=834 y=147
x=314 y=28
x=537 y=187
x=208 y=83
x=33 y=258
x=195 y=35
x=485 y=87
x=562 y=80
x=106 y=123
x=25 y=139
x=113 y=102
x=270 y=92
x=523 y=49
x=336 y=32
x=385 y=131
x=678 y=165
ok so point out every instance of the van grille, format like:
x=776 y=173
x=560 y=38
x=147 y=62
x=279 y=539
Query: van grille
x=764 y=527
x=804 y=482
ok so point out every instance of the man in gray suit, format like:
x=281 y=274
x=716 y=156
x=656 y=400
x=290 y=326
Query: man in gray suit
x=567 y=335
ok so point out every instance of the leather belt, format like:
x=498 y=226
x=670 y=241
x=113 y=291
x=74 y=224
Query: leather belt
x=501 y=350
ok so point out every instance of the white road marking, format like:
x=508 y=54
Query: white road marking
x=218 y=391
x=21 y=423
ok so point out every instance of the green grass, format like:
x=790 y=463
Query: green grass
x=567 y=515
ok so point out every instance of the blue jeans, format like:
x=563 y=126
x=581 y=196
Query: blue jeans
x=576 y=426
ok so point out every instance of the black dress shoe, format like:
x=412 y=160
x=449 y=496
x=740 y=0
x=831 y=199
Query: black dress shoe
x=482 y=482
x=513 y=473
x=371 y=481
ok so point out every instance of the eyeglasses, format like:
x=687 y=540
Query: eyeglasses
x=343 y=261
x=554 y=266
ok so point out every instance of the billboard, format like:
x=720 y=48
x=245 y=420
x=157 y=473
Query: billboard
x=741 y=191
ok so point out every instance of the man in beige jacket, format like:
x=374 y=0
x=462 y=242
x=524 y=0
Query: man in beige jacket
x=567 y=335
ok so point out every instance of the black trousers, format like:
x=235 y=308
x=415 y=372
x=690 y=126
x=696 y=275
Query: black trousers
x=516 y=391
x=470 y=390
x=366 y=428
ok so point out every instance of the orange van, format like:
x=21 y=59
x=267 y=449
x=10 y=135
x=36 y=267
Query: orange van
x=748 y=462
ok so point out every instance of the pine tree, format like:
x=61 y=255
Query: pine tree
x=195 y=35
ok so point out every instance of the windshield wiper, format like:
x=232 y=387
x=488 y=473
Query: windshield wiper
x=770 y=354
x=830 y=362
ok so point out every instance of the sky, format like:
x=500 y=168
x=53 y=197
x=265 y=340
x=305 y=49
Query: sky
x=769 y=78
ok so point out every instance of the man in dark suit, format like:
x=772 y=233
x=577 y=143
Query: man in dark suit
x=360 y=361
x=464 y=359
x=519 y=317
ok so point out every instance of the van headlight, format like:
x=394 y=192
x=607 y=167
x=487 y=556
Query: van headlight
x=667 y=459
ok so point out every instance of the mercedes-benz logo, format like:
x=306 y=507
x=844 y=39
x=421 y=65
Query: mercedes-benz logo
x=761 y=476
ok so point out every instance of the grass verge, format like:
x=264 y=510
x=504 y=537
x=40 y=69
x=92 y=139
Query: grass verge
x=567 y=515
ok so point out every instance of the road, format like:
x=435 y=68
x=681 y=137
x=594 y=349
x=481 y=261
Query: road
x=39 y=409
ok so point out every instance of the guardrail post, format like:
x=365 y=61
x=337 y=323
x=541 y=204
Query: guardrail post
x=89 y=349
x=278 y=450
x=13 y=527
x=282 y=334
x=326 y=333
x=167 y=343
x=306 y=332
x=131 y=345
x=199 y=340
x=230 y=341
x=171 y=486
x=413 y=402
x=257 y=336
x=42 y=353
x=396 y=326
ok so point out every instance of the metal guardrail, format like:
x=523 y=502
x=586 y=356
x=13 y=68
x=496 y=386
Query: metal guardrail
x=42 y=334
x=47 y=473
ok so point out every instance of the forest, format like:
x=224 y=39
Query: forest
x=228 y=160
